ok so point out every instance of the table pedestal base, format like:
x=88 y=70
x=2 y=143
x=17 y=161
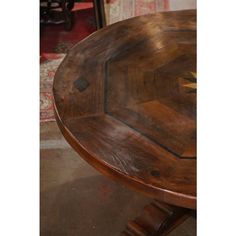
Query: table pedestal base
x=156 y=219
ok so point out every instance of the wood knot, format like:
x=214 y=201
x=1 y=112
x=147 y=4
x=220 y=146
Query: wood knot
x=81 y=84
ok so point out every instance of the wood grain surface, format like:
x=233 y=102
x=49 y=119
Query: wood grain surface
x=125 y=99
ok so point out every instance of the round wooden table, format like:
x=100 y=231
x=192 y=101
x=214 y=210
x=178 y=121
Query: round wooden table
x=125 y=100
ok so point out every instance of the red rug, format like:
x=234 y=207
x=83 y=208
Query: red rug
x=54 y=44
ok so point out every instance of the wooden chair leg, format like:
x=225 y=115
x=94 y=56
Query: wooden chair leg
x=99 y=13
x=157 y=219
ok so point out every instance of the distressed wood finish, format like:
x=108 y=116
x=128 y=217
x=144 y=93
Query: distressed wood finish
x=125 y=100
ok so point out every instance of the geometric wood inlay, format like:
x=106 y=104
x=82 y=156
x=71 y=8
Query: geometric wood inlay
x=125 y=100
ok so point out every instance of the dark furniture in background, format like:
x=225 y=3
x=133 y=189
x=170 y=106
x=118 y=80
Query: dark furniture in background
x=56 y=12
x=125 y=100
x=59 y=12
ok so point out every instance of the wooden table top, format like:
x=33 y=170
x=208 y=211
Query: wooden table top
x=125 y=100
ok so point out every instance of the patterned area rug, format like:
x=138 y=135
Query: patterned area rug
x=54 y=44
x=47 y=71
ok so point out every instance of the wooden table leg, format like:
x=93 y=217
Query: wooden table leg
x=156 y=219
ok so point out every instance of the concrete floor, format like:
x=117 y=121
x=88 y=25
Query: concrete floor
x=76 y=200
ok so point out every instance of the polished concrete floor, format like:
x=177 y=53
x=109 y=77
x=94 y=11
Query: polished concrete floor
x=76 y=200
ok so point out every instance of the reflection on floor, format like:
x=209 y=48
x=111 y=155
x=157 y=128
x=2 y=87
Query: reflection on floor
x=76 y=200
